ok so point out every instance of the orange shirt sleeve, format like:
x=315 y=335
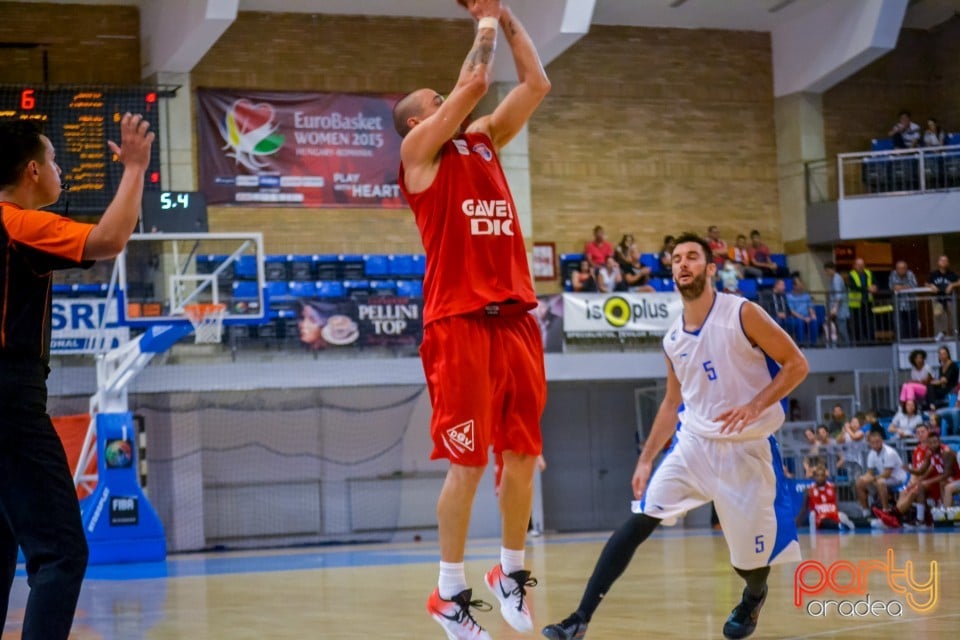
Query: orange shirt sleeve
x=47 y=232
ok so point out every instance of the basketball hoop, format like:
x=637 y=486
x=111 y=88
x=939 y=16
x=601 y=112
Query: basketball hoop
x=207 y=321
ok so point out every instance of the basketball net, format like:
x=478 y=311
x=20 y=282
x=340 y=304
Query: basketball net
x=207 y=321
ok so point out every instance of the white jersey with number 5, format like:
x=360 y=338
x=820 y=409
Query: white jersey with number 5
x=719 y=369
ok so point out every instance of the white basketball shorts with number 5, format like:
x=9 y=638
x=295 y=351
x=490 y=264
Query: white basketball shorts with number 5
x=745 y=481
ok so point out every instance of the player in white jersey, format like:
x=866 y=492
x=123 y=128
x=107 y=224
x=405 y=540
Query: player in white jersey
x=730 y=365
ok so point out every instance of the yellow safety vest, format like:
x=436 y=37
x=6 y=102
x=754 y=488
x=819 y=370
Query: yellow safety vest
x=855 y=295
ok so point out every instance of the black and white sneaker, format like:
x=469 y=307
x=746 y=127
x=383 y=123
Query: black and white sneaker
x=743 y=619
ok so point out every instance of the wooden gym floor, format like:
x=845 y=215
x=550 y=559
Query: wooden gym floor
x=679 y=585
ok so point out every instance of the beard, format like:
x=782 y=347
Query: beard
x=694 y=289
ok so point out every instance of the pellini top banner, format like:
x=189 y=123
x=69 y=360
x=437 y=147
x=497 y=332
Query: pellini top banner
x=298 y=149
x=601 y=313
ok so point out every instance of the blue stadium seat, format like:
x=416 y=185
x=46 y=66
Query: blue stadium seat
x=376 y=266
x=419 y=265
x=275 y=268
x=278 y=291
x=383 y=287
x=245 y=268
x=569 y=262
x=326 y=267
x=300 y=267
x=245 y=290
x=351 y=267
x=328 y=289
x=351 y=287
x=209 y=263
x=410 y=288
x=748 y=287
x=881 y=144
x=779 y=259
x=953 y=139
x=401 y=266
x=650 y=260
x=662 y=284
x=303 y=289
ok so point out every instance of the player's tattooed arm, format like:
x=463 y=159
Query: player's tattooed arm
x=518 y=106
x=482 y=52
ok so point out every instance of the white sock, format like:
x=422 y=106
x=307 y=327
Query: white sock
x=511 y=560
x=866 y=512
x=921 y=511
x=452 y=579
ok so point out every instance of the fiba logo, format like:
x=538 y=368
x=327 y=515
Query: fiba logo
x=489 y=217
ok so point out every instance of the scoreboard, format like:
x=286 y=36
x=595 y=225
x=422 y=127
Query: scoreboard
x=79 y=120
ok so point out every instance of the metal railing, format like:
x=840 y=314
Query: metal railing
x=903 y=170
x=922 y=315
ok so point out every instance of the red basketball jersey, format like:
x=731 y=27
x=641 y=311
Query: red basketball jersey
x=919 y=454
x=471 y=234
x=937 y=465
x=823 y=501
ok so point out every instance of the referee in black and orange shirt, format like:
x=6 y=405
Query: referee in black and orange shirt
x=39 y=511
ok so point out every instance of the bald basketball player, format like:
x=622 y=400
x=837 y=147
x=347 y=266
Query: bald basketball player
x=482 y=352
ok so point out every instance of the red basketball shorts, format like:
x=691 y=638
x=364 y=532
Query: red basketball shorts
x=487 y=386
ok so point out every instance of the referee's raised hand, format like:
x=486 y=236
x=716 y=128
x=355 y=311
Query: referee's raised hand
x=136 y=139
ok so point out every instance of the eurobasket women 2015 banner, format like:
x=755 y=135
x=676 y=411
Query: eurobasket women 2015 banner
x=298 y=149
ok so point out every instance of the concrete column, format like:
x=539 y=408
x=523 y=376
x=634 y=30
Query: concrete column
x=799 y=128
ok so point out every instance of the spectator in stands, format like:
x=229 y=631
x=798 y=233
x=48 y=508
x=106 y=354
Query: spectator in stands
x=933 y=135
x=584 y=279
x=821 y=500
x=838 y=418
x=906 y=421
x=740 y=254
x=950 y=488
x=718 y=246
x=626 y=252
x=760 y=258
x=609 y=277
x=918 y=456
x=828 y=448
x=776 y=305
x=838 y=309
x=598 y=250
x=935 y=421
x=949 y=417
x=901 y=281
x=920 y=376
x=871 y=423
x=636 y=277
x=730 y=277
x=853 y=430
x=944 y=282
x=665 y=258
x=936 y=469
x=811 y=451
x=884 y=473
x=862 y=288
x=944 y=381
x=905 y=133
x=804 y=325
